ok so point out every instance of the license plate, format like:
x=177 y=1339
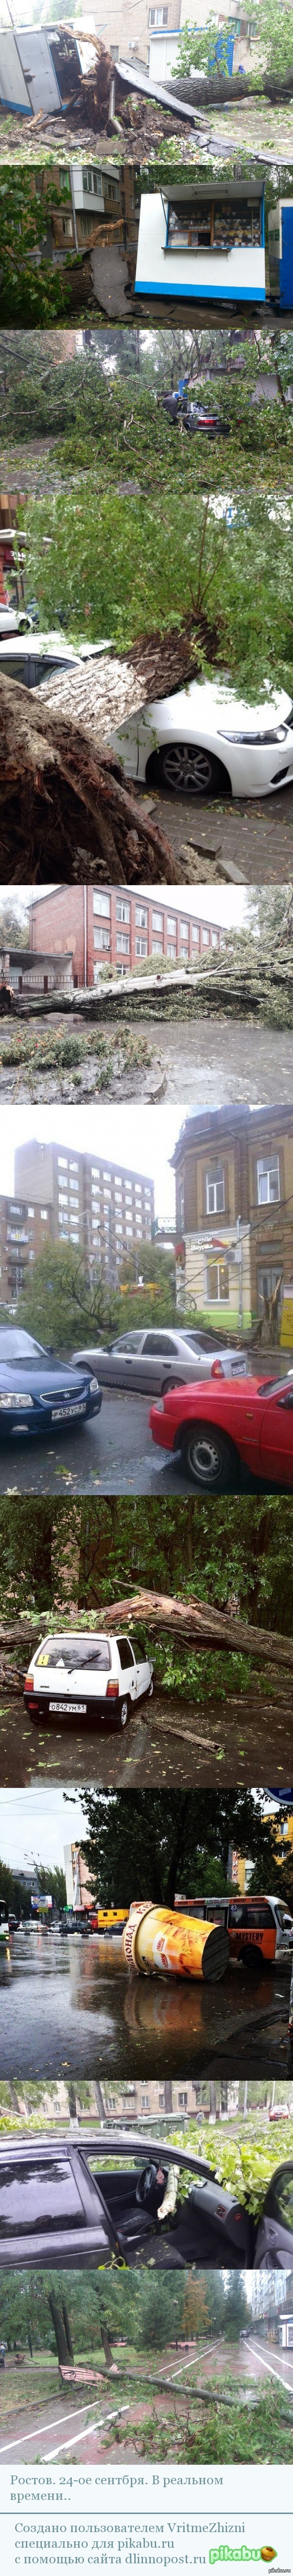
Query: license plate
x=60 y=1412
x=67 y=1707
x=237 y=1370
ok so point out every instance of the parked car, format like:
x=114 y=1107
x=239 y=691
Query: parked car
x=33 y=658
x=218 y=1429
x=59 y=2206
x=37 y=1389
x=204 y=739
x=149 y=1362
x=196 y=418
x=88 y=1676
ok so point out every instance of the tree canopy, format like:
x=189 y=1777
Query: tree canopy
x=158 y=1843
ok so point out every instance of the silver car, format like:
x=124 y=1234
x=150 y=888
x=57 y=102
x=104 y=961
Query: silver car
x=150 y=1362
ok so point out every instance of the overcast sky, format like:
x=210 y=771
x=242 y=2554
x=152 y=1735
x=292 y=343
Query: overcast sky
x=36 y=1823
x=225 y=904
x=141 y=1138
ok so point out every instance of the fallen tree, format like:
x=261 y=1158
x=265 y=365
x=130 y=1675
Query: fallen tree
x=195 y=1620
x=62 y=796
x=213 y=92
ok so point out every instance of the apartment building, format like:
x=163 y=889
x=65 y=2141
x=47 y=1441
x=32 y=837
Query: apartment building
x=117 y=928
x=90 y=195
x=105 y=1209
x=234 y=1211
x=25 y=1226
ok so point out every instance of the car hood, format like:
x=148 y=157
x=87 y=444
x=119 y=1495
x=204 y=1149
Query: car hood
x=214 y=703
x=214 y=1391
x=40 y=1381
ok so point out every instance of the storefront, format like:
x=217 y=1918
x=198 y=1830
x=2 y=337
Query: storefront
x=206 y=241
x=213 y=1275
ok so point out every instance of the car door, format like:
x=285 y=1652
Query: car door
x=124 y=1361
x=158 y=1362
x=276 y=1436
x=142 y=1667
x=127 y=1669
x=45 y=2208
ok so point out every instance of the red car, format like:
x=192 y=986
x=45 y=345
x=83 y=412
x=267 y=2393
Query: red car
x=219 y=1426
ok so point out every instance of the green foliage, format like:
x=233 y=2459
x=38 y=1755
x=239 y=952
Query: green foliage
x=153 y=1843
x=111 y=568
x=59 y=1301
x=271 y=47
x=198 y=47
x=28 y=293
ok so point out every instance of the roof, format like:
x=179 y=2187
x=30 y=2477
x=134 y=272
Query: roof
x=244 y=190
x=211 y=1126
x=35 y=958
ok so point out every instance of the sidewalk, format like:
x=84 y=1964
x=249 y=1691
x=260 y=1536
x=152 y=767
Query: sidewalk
x=257 y=837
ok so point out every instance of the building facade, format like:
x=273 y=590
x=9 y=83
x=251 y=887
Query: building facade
x=234 y=1211
x=102 y=1207
x=25 y=1226
x=90 y=196
x=116 y=927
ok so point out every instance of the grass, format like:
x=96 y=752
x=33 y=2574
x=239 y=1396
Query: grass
x=48 y=1053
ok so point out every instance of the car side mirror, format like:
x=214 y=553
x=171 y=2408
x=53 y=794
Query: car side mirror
x=278 y=2202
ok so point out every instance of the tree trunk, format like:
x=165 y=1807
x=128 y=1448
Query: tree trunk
x=99 y=2101
x=218 y=92
x=204 y=1626
x=62 y=797
x=59 y=2328
x=67 y=2330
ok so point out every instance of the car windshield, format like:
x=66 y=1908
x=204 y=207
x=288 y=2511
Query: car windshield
x=76 y=1653
x=20 y=1346
x=278 y=1386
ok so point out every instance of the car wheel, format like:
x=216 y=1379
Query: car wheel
x=210 y=1462
x=188 y=770
x=169 y=1384
x=124 y=1712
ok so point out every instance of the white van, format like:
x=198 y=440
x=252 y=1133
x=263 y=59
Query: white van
x=87 y=1676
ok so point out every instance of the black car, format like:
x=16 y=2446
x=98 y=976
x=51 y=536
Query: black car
x=60 y=2205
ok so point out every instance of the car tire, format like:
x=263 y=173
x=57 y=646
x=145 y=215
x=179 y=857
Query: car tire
x=124 y=1712
x=169 y=1384
x=186 y=769
x=210 y=1460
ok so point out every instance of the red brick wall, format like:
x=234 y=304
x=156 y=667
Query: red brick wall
x=57 y=922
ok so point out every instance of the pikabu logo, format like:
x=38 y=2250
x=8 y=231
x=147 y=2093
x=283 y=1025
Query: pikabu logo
x=267 y=2554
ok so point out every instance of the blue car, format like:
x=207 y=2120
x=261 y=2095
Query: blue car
x=37 y=1389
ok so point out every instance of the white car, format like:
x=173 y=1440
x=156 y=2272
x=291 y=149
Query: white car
x=35 y=657
x=205 y=741
x=148 y=1363
x=87 y=1676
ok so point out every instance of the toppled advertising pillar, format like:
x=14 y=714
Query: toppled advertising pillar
x=158 y=1942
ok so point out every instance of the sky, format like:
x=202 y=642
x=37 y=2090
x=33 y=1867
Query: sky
x=142 y=1138
x=227 y=905
x=36 y=1824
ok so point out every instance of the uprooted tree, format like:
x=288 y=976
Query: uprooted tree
x=62 y=796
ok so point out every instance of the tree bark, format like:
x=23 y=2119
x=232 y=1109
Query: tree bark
x=215 y=92
x=59 y=2328
x=204 y=1626
x=62 y=795
x=67 y=2330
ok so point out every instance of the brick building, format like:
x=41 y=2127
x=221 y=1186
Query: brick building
x=116 y=926
x=234 y=1210
x=89 y=195
x=25 y=1226
x=101 y=1206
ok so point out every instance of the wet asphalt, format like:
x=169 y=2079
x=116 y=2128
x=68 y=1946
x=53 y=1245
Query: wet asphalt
x=68 y=2005
x=113 y=1453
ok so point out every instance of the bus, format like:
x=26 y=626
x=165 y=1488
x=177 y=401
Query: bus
x=259 y=1927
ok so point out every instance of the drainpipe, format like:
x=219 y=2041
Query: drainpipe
x=71 y=175
x=85 y=931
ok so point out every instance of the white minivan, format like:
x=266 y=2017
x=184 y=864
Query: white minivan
x=88 y=1676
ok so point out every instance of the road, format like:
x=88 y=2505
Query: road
x=62 y=2424
x=112 y=1454
x=170 y=1736
x=69 y=2005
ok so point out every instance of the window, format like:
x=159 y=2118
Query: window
x=35 y=2197
x=217 y=1282
x=31 y=1211
x=62 y=1199
x=31 y=1258
x=267 y=1281
x=268 y=1180
x=184 y=930
x=182 y=2101
x=214 y=939
x=145 y=2101
x=181 y=1203
x=44 y=1213
x=157 y=948
x=205 y=938
x=195 y=932
x=102 y=903
x=141 y=947
x=157 y=921
x=122 y=909
x=171 y=948
x=158 y=18
x=123 y=943
x=215 y=1190
x=160 y=1346
x=141 y=916
x=126 y=1656
x=62 y=1162
x=92 y=183
x=73 y=1167
x=171 y=927
x=102 y=939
